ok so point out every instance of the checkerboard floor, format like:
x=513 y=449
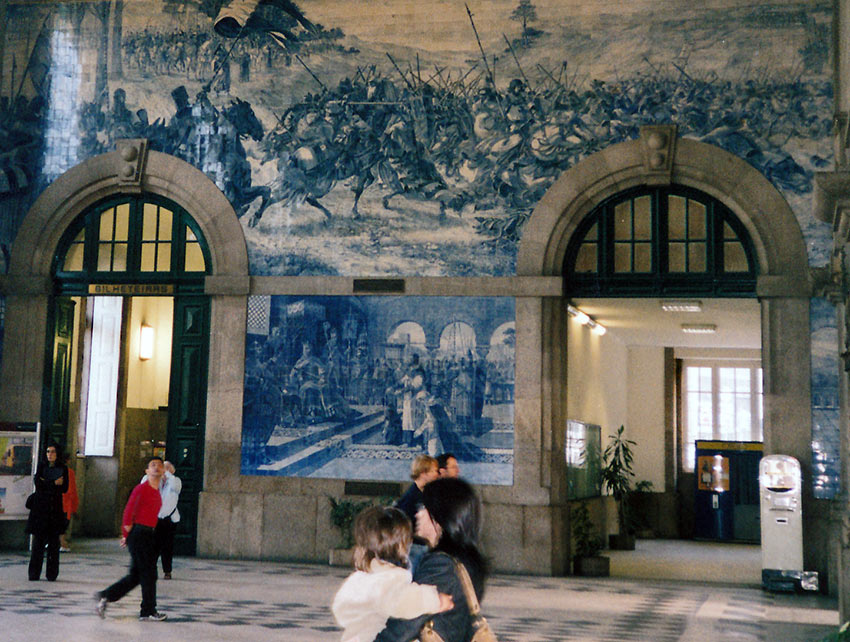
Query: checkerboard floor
x=251 y=600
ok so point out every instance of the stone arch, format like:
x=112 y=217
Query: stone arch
x=776 y=234
x=131 y=169
x=101 y=176
x=783 y=287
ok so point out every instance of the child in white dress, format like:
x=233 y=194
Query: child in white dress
x=382 y=587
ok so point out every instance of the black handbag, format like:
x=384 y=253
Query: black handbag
x=30 y=501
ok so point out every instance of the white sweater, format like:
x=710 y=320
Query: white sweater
x=365 y=600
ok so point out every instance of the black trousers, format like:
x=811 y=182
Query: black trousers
x=165 y=530
x=142 y=545
x=39 y=541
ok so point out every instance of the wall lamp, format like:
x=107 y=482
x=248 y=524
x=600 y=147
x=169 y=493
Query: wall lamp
x=586 y=320
x=146 y=338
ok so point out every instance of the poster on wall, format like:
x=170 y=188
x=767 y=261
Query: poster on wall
x=18 y=452
x=356 y=387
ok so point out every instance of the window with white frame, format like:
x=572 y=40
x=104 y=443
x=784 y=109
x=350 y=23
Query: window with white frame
x=720 y=400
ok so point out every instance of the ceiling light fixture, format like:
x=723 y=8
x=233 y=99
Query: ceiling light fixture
x=681 y=306
x=699 y=328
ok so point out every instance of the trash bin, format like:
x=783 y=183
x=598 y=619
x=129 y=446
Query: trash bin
x=780 y=489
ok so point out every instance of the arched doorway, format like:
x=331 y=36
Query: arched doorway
x=209 y=302
x=659 y=158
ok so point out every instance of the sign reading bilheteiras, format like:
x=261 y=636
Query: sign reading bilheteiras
x=131 y=289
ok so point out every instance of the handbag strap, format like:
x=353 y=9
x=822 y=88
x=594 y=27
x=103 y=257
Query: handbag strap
x=468 y=590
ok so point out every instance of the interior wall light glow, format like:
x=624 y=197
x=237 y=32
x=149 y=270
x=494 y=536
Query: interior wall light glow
x=681 y=306
x=146 y=338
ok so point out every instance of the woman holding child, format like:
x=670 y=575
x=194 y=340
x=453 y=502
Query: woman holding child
x=449 y=520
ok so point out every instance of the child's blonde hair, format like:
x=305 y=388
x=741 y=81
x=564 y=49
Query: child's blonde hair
x=381 y=532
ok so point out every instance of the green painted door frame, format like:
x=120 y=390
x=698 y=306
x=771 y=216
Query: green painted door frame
x=187 y=402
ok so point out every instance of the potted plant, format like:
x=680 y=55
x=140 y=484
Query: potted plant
x=643 y=510
x=343 y=512
x=588 y=543
x=617 y=476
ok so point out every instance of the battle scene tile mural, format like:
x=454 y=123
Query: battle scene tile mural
x=403 y=137
x=356 y=387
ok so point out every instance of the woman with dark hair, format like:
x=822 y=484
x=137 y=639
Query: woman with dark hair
x=47 y=518
x=450 y=521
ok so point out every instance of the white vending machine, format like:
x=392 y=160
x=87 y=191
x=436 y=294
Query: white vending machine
x=780 y=490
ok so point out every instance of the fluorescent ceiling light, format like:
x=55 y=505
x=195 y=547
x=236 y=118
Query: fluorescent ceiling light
x=681 y=306
x=699 y=328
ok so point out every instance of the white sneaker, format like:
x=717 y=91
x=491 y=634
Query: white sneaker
x=156 y=616
x=100 y=607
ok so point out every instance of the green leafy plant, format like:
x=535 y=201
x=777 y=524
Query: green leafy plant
x=643 y=486
x=617 y=474
x=842 y=635
x=588 y=543
x=343 y=512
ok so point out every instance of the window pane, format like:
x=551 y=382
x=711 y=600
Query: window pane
x=742 y=380
x=104 y=256
x=74 y=258
x=148 y=255
x=643 y=257
x=149 y=222
x=195 y=258
x=119 y=258
x=122 y=221
x=728 y=232
x=623 y=221
x=696 y=257
x=643 y=218
x=696 y=220
x=163 y=258
x=726 y=379
x=676 y=257
x=742 y=414
x=734 y=257
x=622 y=257
x=107 y=218
x=165 y=220
x=676 y=217
x=585 y=261
x=590 y=236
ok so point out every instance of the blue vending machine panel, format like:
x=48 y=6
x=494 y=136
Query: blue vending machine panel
x=727 y=490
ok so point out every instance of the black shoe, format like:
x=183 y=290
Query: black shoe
x=100 y=607
x=156 y=616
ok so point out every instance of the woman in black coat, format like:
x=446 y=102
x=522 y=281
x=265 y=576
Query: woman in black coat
x=449 y=520
x=47 y=519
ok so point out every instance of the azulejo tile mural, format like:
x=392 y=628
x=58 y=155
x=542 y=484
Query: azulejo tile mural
x=405 y=137
x=826 y=431
x=356 y=387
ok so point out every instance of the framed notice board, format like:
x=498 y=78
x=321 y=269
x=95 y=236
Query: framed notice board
x=18 y=458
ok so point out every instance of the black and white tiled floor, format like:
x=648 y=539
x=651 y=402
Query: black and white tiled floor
x=246 y=600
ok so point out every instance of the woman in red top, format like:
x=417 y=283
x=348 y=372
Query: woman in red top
x=137 y=529
x=70 y=505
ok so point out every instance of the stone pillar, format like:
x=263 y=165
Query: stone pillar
x=24 y=352
x=787 y=411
